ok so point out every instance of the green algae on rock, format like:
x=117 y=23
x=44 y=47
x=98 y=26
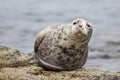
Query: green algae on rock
x=15 y=65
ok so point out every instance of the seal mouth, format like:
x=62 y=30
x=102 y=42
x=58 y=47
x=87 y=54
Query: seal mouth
x=82 y=33
x=82 y=36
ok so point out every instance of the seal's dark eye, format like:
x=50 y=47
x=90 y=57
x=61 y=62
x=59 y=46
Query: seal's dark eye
x=88 y=25
x=74 y=23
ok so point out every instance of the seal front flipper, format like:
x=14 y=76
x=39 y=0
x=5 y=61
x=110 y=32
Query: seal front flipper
x=38 y=41
x=48 y=66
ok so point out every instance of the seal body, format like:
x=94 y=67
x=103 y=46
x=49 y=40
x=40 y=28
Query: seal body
x=63 y=47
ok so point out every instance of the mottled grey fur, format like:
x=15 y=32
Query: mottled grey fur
x=61 y=48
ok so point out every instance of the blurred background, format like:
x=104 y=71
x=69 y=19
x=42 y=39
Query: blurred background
x=21 y=20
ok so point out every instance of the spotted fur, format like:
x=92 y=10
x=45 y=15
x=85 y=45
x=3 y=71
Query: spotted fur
x=63 y=47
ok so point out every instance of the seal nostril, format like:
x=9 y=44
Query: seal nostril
x=80 y=25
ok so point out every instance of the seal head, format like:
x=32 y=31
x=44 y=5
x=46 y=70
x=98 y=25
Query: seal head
x=80 y=29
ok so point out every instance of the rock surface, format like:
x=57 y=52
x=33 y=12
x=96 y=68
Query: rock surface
x=15 y=65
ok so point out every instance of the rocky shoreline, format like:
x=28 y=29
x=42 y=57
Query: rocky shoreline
x=15 y=65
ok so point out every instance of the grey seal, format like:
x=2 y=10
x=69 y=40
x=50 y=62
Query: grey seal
x=63 y=47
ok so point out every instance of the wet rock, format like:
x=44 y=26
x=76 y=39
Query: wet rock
x=15 y=65
x=13 y=58
x=104 y=55
x=110 y=46
x=113 y=43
